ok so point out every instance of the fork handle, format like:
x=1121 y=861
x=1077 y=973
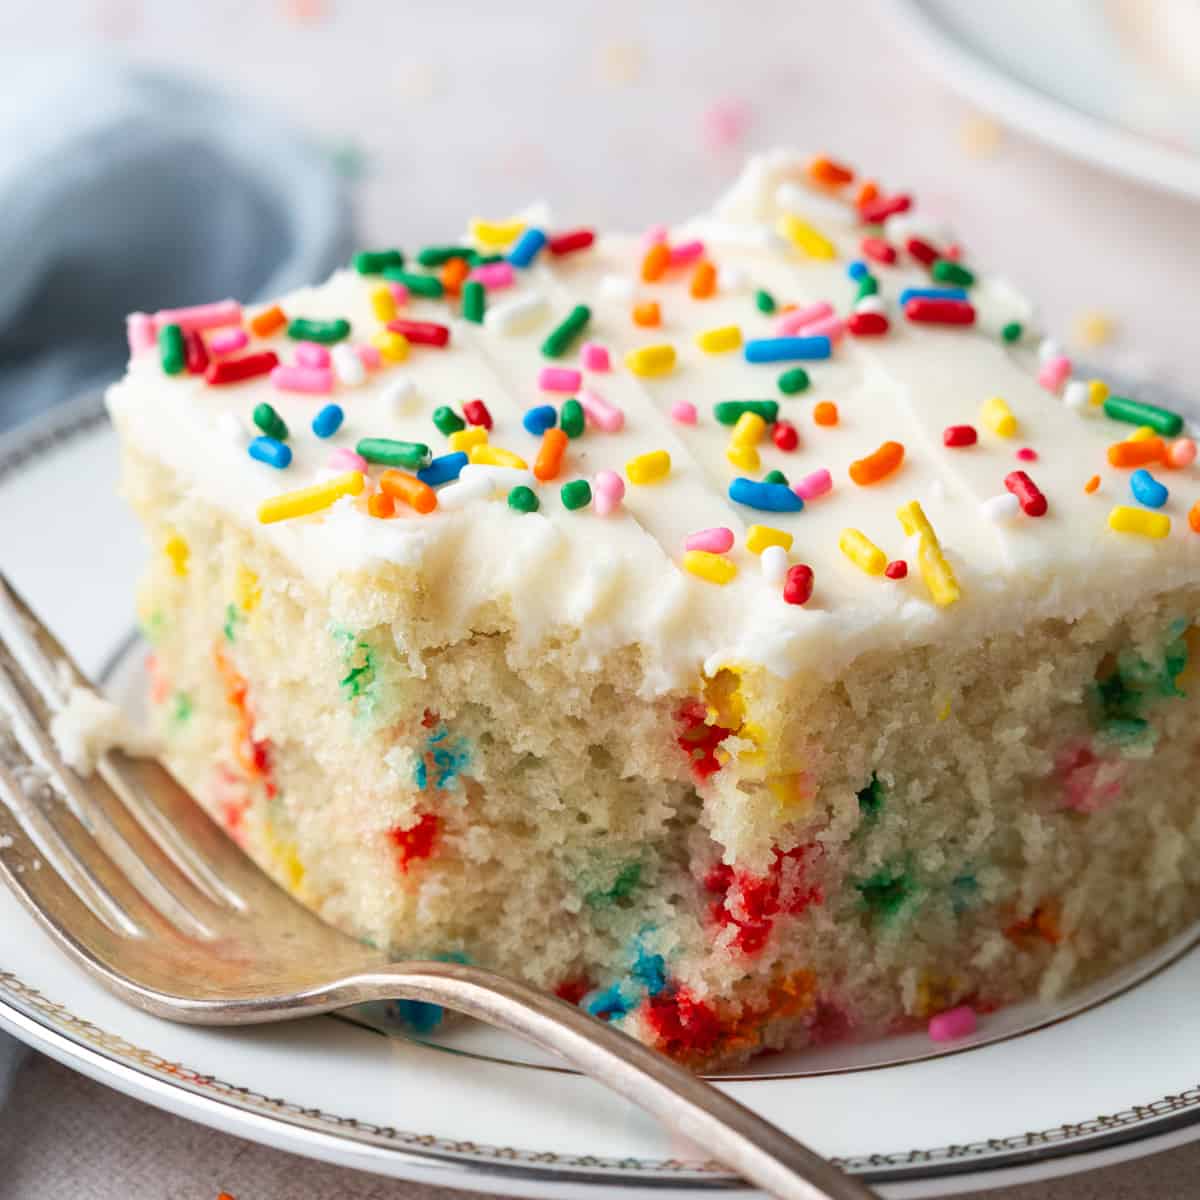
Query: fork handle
x=752 y=1147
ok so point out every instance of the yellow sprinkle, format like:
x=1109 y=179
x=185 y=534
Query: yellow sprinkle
x=496 y=233
x=944 y=711
x=1125 y=519
x=246 y=591
x=651 y=360
x=383 y=303
x=649 y=468
x=862 y=552
x=793 y=793
x=1141 y=433
x=176 y=549
x=718 y=341
x=494 y=456
x=997 y=416
x=391 y=345
x=749 y=430
x=805 y=238
x=759 y=537
x=935 y=570
x=742 y=456
x=1094 y=328
x=307 y=500
x=980 y=135
x=713 y=567
x=1097 y=392
x=724 y=702
x=913 y=520
x=464 y=439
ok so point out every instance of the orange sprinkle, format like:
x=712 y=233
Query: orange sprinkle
x=1092 y=484
x=647 y=313
x=654 y=265
x=877 y=466
x=381 y=504
x=402 y=486
x=267 y=321
x=868 y=192
x=1194 y=517
x=550 y=455
x=826 y=413
x=704 y=280
x=454 y=274
x=787 y=308
x=832 y=174
x=1137 y=454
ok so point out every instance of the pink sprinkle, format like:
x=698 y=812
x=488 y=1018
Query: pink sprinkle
x=314 y=380
x=594 y=357
x=683 y=411
x=228 y=340
x=603 y=415
x=139 y=328
x=716 y=540
x=831 y=327
x=814 y=485
x=1055 y=372
x=200 y=316
x=790 y=322
x=686 y=252
x=654 y=235
x=494 y=276
x=399 y=292
x=608 y=490
x=725 y=123
x=369 y=356
x=1027 y=454
x=954 y=1023
x=1181 y=452
x=559 y=379
x=344 y=459
x=311 y=354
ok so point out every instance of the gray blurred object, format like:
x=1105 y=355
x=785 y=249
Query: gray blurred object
x=122 y=188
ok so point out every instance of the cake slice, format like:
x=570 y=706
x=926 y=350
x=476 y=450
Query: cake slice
x=750 y=631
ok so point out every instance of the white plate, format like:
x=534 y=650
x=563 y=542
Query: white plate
x=1103 y=80
x=477 y=1110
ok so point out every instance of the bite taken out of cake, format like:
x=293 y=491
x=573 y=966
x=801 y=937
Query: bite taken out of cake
x=752 y=630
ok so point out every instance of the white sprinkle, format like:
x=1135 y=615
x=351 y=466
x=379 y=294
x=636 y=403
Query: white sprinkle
x=616 y=287
x=517 y=315
x=230 y=427
x=347 y=365
x=731 y=279
x=496 y=476
x=1048 y=349
x=457 y=495
x=774 y=564
x=804 y=202
x=871 y=304
x=1000 y=508
x=1076 y=396
x=400 y=395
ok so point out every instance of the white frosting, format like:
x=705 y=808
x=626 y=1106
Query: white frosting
x=88 y=726
x=618 y=577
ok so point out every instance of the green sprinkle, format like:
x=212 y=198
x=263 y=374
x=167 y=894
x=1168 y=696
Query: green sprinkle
x=886 y=892
x=270 y=422
x=447 y=420
x=764 y=302
x=576 y=494
x=484 y=260
x=373 y=262
x=231 y=620
x=868 y=285
x=870 y=798
x=1013 y=332
x=327 y=332
x=570 y=418
x=793 y=381
x=436 y=256
x=728 y=411
x=559 y=340
x=474 y=301
x=181 y=708
x=170 y=349
x=1161 y=420
x=945 y=270
x=629 y=877
x=523 y=499
x=428 y=286
x=775 y=477
x=413 y=455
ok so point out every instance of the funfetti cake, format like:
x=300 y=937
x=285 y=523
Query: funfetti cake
x=750 y=630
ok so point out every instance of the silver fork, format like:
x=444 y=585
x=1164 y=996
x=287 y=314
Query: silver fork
x=150 y=897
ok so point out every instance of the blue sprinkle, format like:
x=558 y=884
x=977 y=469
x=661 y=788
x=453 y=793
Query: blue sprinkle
x=528 y=247
x=932 y=293
x=1147 y=490
x=608 y=1003
x=766 y=497
x=443 y=469
x=417 y=1015
x=539 y=418
x=271 y=451
x=328 y=421
x=858 y=270
x=651 y=971
x=782 y=349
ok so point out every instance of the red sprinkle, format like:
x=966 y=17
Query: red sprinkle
x=195 y=352
x=477 y=413
x=421 y=333
x=924 y=252
x=939 y=312
x=897 y=569
x=568 y=243
x=959 y=435
x=883 y=207
x=798 y=586
x=1033 y=503
x=1027 y=454
x=234 y=370
x=867 y=324
x=877 y=250
x=415 y=842
x=784 y=435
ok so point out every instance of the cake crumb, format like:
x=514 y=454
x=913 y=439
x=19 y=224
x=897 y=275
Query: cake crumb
x=88 y=726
